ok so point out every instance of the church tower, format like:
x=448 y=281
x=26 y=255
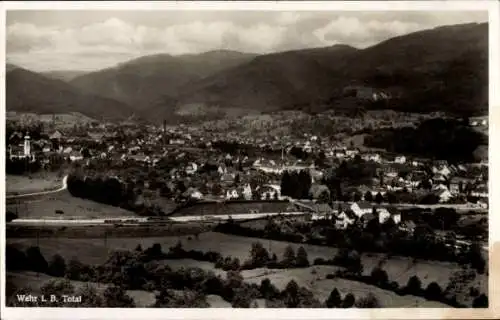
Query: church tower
x=27 y=145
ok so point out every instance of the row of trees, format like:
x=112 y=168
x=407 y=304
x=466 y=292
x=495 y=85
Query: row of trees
x=138 y=271
x=422 y=243
x=296 y=184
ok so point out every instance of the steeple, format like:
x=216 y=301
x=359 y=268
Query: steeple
x=27 y=145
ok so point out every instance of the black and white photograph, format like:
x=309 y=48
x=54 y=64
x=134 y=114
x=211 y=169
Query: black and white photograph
x=257 y=158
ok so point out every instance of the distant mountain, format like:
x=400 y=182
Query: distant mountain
x=10 y=67
x=149 y=80
x=271 y=82
x=64 y=75
x=441 y=69
x=27 y=91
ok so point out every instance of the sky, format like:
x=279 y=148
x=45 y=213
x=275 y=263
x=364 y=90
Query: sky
x=92 y=40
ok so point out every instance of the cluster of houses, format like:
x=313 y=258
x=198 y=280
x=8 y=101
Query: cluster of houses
x=243 y=177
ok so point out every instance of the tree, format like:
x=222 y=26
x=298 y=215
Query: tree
x=349 y=301
x=74 y=269
x=259 y=256
x=268 y=290
x=414 y=286
x=357 y=196
x=324 y=197
x=433 y=291
x=379 y=198
x=289 y=257
x=481 y=301
x=285 y=184
x=57 y=266
x=475 y=257
x=370 y=301
x=302 y=259
x=368 y=196
x=334 y=300
x=115 y=297
x=291 y=294
x=35 y=260
x=138 y=248
x=379 y=276
x=15 y=259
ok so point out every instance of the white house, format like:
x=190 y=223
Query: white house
x=400 y=159
x=75 y=156
x=444 y=195
x=397 y=218
x=247 y=192
x=383 y=215
x=343 y=221
x=191 y=168
x=232 y=194
x=361 y=208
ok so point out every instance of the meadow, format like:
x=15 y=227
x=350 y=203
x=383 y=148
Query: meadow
x=96 y=250
x=46 y=206
x=17 y=184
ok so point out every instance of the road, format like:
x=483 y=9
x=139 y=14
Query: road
x=42 y=193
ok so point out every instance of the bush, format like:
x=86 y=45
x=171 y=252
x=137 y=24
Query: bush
x=334 y=300
x=90 y=297
x=302 y=260
x=57 y=266
x=74 y=269
x=115 y=297
x=330 y=276
x=370 y=301
x=268 y=290
x=288 y=257
x=433 y=292
x=474 y=292
x=349 y=301
x=414 y=286
x=379 y=277
x=319 y=261
x=481 y=301
x=9 y=216
x=35 y=260
x=15 y=259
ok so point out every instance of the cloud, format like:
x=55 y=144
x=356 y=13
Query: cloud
x=106 y=42
x=363 y=34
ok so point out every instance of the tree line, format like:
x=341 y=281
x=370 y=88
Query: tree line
x=446 y=139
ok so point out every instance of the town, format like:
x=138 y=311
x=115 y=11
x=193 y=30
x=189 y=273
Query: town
x=266 y=160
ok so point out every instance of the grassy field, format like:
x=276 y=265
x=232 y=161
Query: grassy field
x=17 y=184
x=321 y=287
x=314 y=278
x=35 y=281
x=232 y=208
x=96 y=251
x=71 y=206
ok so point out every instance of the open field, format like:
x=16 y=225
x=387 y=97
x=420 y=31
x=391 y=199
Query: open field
x=229 y=208
x=313 y=280
x=101 y=231
x=35 y=281
x=17 y=184
x=92 y=250
x=321 y=287
x=73 y=207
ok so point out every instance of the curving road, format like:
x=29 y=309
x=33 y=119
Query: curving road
x=62 y=188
